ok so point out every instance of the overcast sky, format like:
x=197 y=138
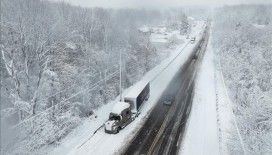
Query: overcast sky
x=158 y=3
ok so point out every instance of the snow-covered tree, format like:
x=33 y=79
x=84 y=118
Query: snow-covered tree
x=242 y=37
x=60 y=62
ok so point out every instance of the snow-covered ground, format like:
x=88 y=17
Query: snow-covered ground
x=160 y=35
x=82 y=140
x=211 y=122
x=166 y=41
x=201 y=134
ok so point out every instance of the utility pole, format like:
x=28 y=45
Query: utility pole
x=120 y=72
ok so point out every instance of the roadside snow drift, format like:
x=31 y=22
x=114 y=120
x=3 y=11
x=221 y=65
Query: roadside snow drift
x=201 y=134
x=211 y=124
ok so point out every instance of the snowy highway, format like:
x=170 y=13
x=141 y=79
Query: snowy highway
x=173 y=76
x=163 y=130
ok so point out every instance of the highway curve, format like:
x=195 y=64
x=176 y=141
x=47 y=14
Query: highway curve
x=163 y=130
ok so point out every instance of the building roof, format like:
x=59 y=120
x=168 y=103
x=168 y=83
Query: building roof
x=144 y=29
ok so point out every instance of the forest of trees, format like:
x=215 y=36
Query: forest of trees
x=242 y=37
x=60 y=62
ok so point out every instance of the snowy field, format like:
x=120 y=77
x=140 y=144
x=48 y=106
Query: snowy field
x=82 y=140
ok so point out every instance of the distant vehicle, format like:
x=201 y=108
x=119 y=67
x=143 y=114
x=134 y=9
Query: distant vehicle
x=167 y=103
x=192 y=40
x=168 y=100
x=195 y=57
x=125 y=112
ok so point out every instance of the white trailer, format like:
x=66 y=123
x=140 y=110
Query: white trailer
x=137 y=95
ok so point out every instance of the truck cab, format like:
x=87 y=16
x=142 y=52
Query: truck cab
x=119 y=117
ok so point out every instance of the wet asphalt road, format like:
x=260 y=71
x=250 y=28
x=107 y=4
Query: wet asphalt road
x=163 y=130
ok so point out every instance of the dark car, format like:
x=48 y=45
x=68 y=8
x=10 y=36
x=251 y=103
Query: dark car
x=168 y=100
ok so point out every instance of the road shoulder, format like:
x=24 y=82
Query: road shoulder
x=201 y=134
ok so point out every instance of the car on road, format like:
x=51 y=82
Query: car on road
x=167 y=103
x=168 y=100
x=195 y=57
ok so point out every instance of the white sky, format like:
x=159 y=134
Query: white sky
x=158 y=3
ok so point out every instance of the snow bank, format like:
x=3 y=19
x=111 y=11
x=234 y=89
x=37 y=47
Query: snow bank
x=201 y=134
x=211 y=125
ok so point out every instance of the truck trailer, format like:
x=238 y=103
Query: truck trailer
x=138 y=95
x=124 y=112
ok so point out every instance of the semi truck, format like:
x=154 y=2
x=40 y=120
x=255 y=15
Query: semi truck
x=126 y=110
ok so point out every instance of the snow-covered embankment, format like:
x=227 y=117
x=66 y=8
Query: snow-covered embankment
x=211 y=122
x=201 y=130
